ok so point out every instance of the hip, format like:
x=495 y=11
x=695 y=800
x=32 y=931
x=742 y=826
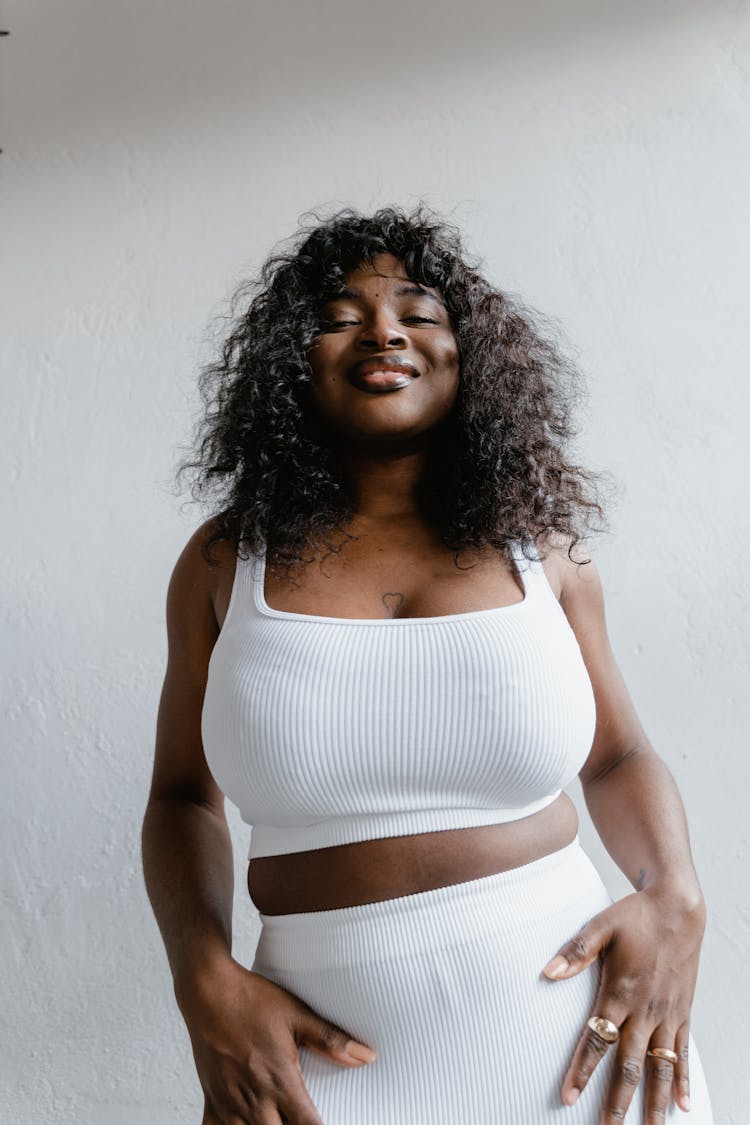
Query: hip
x=446 y=986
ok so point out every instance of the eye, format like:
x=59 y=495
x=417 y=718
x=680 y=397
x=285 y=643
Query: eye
x=421 y=319
x=325 y=325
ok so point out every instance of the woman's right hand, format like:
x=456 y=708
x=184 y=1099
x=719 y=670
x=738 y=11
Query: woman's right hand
x=245 y=1031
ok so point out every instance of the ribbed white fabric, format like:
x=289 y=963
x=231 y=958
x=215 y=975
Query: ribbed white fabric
x=445 y=985
x=329 y=730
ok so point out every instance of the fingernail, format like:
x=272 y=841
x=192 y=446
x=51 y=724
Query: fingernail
x=359 y=1052
x=686 y=1102
x=572 y=1096
x=557 y=966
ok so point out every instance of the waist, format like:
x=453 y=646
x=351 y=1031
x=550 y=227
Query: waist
x=523 y=903
x=376 y=870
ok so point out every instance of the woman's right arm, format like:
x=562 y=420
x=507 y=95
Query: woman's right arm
x=244 y=1029
x=187 y=851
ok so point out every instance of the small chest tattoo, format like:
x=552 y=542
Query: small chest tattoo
x=393 y=603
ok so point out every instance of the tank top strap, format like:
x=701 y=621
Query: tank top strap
x=532 y=573
x=243 y=598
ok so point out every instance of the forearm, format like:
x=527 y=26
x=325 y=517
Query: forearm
x=638 y=813
x=189 y=875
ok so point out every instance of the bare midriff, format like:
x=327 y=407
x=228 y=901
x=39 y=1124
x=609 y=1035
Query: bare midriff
x=373 y=870
x=359 y=584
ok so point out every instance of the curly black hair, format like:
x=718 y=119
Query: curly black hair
x=498 y=471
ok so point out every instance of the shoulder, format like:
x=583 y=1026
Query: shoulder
x=180 y=768
x=573 y=575
x=202 y=574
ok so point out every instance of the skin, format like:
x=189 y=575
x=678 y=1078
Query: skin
x=246 y=1031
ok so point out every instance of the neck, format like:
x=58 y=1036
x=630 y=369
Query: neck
x=385 y=488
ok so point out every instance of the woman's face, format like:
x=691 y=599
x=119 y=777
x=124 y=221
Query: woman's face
x=385 y=363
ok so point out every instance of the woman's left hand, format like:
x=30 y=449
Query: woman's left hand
x=649 y=943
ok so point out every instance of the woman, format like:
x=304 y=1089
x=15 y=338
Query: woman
x=388 y=648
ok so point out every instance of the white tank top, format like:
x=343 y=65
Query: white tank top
x=330 y=730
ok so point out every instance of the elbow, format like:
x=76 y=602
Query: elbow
x=593 y=773
x=181 y=799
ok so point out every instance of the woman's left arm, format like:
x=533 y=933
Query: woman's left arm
x=649 y=941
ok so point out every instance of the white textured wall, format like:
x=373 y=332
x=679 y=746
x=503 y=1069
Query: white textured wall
x=597 y=155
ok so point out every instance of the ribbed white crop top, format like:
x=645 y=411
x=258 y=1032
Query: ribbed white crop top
x=330 y=730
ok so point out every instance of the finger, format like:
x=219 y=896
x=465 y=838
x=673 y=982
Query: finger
x=265 y=1108
x=281 y=1099
x=265 y=1113
x=682 y=1068
x=239 y=1104
x=589 y=1052
x=626 y=1072
x=581 y=951
x=210 y=1117
x=659 y=1076
x=299 y=1111
x=293 y=1101
x=327 y=1039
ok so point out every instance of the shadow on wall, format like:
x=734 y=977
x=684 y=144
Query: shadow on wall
x=88 y=72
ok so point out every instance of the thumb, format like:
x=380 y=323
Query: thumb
x=327 y=1039
x=581 y=951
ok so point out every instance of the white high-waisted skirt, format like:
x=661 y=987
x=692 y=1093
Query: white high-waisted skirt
x=446 y=986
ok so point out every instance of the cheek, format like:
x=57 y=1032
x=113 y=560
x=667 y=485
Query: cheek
x=323 y=360
x=326 y=385
x=446 y=350
x=448 y=359
x=316 y=358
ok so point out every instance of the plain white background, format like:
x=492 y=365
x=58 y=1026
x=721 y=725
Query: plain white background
x=597 y=156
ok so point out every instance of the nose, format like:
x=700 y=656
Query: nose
x=381 y=332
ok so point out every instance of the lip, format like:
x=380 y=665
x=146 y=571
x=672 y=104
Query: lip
x=380 y=375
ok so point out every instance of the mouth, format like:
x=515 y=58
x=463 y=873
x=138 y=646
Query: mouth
x=382 y=375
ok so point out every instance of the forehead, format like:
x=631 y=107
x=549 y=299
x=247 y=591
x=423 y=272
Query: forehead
x=383 y=267
x=384 y=275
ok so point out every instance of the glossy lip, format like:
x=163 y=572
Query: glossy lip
x=382 y=366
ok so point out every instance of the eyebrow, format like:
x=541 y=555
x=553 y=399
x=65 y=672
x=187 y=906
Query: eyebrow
x=412 y=290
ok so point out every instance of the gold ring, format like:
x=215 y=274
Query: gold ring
x=663 y=1053
x=604 y=1028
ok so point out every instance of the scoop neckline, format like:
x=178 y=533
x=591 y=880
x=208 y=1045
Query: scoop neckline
x=264 y=608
